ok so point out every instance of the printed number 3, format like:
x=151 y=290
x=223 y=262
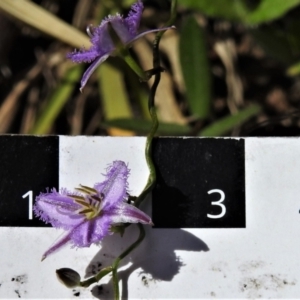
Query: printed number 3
x=218 y=203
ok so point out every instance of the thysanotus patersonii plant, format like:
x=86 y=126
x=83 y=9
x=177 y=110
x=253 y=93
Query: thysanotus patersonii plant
x=88 y=214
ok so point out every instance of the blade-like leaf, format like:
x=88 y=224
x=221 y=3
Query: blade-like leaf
x=240 y=10
x=57 y=101
x=228 y=9
x=114 y=96
x=270 y=10
x=143 y=126
x=226 y=124
x=39 y=18
x=195 y=68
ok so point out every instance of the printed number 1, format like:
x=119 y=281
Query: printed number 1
x=219 y=203
x=29 y=194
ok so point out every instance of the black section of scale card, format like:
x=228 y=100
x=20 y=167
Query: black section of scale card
x=200 y=181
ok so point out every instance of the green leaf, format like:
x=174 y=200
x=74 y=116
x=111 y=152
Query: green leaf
x=43 y=20
x=223 y=126
x=113 y=95
x=269 y=10
x=195 y=68
x=228 y=9
x=243 y=10
x=57 y=101
x=143 y=126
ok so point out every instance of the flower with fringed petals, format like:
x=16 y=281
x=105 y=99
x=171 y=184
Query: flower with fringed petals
x=113 y=36
x=89 y=213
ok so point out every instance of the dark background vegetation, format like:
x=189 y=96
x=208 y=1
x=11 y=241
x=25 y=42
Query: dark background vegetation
x=231 y=69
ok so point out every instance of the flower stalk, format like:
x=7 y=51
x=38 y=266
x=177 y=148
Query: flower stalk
x=125 y=54
x=151 y=107
x=148 y=149
x=96 y=278
x=123 y=255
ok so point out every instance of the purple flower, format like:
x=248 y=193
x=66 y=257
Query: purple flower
x=114 y=31
x=88 y=213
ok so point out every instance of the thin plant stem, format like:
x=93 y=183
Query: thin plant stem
x=148 y=152
x=121 y=256
x=113 y=268
x=97 y=277
x=151 y=106
x=133 y=65
x=148 y=149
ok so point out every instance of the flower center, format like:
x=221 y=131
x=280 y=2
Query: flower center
x=90 y=203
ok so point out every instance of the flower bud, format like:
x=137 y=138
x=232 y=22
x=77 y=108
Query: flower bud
x=68 y=277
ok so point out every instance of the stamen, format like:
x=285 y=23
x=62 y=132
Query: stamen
x=97 y=206
x=91 y=202
x=90 y=30
x=84 y=211
x=83 y=203
x=82 y=190
x=76 y=197
x=91 y=190
x=96 y=198
x=86 y=190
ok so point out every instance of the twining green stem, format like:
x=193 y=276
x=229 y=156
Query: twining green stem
x=114 y=267
x=148 y=149
x=152 y=173
x=97 y=277
x=121 y=256
x=151 y=106
x=150 y=183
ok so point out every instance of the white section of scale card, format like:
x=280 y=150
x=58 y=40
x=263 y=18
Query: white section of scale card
x=259 y=261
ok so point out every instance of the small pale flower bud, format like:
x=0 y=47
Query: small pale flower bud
x=68 y=277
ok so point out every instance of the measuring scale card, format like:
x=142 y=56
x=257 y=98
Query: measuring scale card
x=226 y=215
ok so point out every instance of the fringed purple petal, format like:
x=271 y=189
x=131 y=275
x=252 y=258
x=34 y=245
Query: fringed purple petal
x=102 y=42
x=101 y=45
x=127 y=213
x=83 y=55
x=57 y=209
x=114 y=188
x=136 y=37
x=58 y=245
x=91 y=231
x=134 y=18
x=101 y=39
x=87 y=74
x=88 y=217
